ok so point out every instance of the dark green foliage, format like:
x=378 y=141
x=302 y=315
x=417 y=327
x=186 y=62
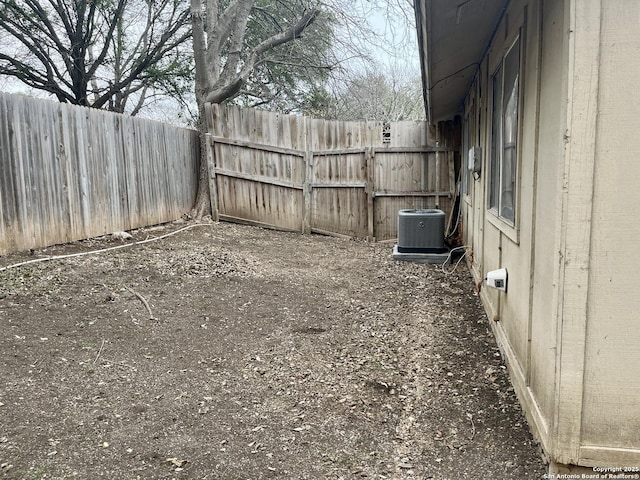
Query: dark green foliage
x=288 y=77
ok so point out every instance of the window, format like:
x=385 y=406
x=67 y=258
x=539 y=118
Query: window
x=504 y=135
x=465 y=156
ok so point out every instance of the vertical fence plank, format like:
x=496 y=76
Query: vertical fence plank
x=308 y=181
x=370 y=159
x=340 y=178
x=69 y=173
x=213 y=189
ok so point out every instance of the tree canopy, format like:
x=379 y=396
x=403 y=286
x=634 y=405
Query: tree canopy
x=126 y=55
x=388 y=96
x=112 y=54
x=235 y=45
x=285 y=77
x=232 y=41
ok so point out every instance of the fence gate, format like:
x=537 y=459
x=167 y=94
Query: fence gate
x=333 y=177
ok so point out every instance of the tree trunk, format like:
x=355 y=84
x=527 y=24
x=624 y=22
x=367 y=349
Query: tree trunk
x=215 y=86
x=202 y=207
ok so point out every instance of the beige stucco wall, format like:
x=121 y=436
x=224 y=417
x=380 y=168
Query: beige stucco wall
x=611 y=412
x=495 y=243
x=570 y=320
x=551 y=127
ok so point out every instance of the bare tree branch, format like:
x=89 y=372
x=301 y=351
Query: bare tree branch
x=236 y=41
x=79 y=51
x=231 y=86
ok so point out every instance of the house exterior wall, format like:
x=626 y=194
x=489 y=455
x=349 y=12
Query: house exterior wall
x=496 y=243
x=569 y=321
x=611 y=413
x=551 y=126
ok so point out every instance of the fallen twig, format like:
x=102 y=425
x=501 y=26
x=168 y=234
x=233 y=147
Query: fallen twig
x=473 y=426
x=99 y=352
x=120 y=364
x=144 y=301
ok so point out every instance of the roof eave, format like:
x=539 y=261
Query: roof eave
x=453 y=39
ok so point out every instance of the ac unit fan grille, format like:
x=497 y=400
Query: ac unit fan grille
x=421 y=231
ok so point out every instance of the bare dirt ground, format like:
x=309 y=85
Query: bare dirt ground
x=232 y=352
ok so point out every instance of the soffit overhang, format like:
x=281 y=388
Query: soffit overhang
x=453 y=37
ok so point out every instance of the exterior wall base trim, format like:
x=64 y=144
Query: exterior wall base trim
x=537 y=424
x=597 y=455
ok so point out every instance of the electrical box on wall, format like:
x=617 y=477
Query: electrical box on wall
x=475 y=159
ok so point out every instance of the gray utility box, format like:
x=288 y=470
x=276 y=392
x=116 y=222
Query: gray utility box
x=421 y=231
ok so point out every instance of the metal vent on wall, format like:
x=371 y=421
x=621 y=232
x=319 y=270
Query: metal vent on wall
x=421 y=231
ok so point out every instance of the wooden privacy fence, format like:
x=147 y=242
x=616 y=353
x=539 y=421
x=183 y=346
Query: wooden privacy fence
x=332 y=177
x=68 y=173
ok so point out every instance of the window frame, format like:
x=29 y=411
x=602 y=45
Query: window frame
x=495 y=204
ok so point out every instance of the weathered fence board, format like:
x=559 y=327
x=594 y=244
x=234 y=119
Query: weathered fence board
x=342 y=178
x=257 y=182
x=68 y=173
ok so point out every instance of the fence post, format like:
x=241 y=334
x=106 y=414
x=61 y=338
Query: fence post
x=452 y=190
x=369 y=156
x=308 y=176
x=213 y=188
x=308 y=189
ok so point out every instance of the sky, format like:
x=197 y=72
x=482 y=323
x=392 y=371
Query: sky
x=391 y=42
x=399 y=34
x=391 y=39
